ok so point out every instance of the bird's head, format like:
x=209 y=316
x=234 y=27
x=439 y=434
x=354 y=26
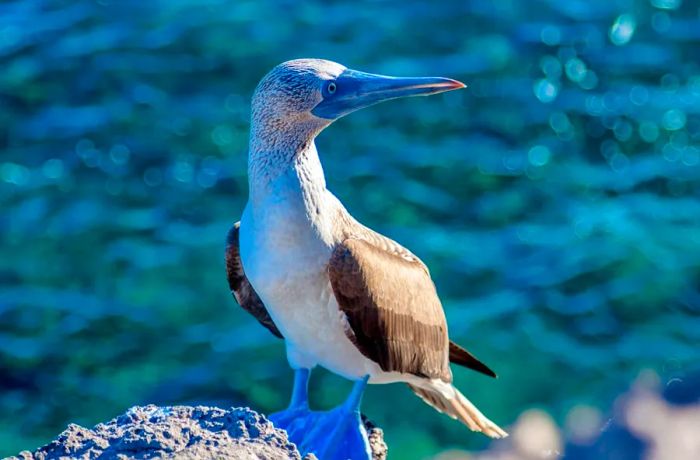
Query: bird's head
x=309 y=94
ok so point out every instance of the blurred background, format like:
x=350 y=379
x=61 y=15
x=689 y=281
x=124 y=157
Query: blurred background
x=555 y=201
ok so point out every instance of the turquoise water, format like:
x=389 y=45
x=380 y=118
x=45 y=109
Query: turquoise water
x=555 y=200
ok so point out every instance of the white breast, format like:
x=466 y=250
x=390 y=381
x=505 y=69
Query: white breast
x=286 y=242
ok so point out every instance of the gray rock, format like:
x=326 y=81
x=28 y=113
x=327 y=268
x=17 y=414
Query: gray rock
x=182 y=432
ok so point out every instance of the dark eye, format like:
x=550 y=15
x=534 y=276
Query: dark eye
x=331 y=87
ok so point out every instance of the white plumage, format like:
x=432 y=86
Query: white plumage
x=292 y=225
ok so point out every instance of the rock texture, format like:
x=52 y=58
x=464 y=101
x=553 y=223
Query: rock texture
x=181 y=432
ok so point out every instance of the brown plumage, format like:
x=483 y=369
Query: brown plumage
x=247 y=298
x=459 y=355
x=395 y=316
x=369 y=273
x=396 y=319
x=240 y=287
x=307 y=253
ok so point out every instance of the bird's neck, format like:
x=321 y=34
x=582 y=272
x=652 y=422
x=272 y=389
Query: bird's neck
x=278 y=164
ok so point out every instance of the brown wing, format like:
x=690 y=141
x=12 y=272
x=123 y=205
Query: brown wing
x=241 y=288
x=394 y=315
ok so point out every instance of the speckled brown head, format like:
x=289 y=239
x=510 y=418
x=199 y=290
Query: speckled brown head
x=291 y=90
x=298 y=98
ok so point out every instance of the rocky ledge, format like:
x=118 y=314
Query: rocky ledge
x=182 y=432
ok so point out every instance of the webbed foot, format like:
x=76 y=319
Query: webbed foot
x=337 y=434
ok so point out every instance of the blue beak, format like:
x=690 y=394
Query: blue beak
x=354 y=90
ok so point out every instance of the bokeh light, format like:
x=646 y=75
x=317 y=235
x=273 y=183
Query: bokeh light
x=555 y=200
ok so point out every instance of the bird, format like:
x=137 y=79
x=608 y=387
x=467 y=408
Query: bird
x=341 y=295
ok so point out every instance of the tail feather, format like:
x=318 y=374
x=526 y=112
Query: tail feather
x=461 y=356
x=458 y=407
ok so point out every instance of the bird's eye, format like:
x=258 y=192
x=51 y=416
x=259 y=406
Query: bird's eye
x=331 y=87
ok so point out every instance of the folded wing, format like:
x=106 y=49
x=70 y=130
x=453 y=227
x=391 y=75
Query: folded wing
x=241 y=288
x=394 y=315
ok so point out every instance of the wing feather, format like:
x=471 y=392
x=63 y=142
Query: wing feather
x=391 y=305
x=241 y=288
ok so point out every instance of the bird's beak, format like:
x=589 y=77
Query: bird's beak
x=355 y=90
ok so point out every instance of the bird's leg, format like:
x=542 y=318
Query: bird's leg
x=295 y=417
x=300 y=392
x=339 y=434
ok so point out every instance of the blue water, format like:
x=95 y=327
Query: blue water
x=555 y=200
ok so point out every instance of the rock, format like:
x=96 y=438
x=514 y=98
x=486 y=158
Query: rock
x=182 y=432
x=376 y=440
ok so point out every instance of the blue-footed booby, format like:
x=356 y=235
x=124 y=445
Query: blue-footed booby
x=342 y=296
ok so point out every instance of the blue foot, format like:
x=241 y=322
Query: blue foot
x=333 y=435
x=338 y=434
x=296 y=416
x=293 y=420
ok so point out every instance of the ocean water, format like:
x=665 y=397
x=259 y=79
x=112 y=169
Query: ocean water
x=555 y=200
